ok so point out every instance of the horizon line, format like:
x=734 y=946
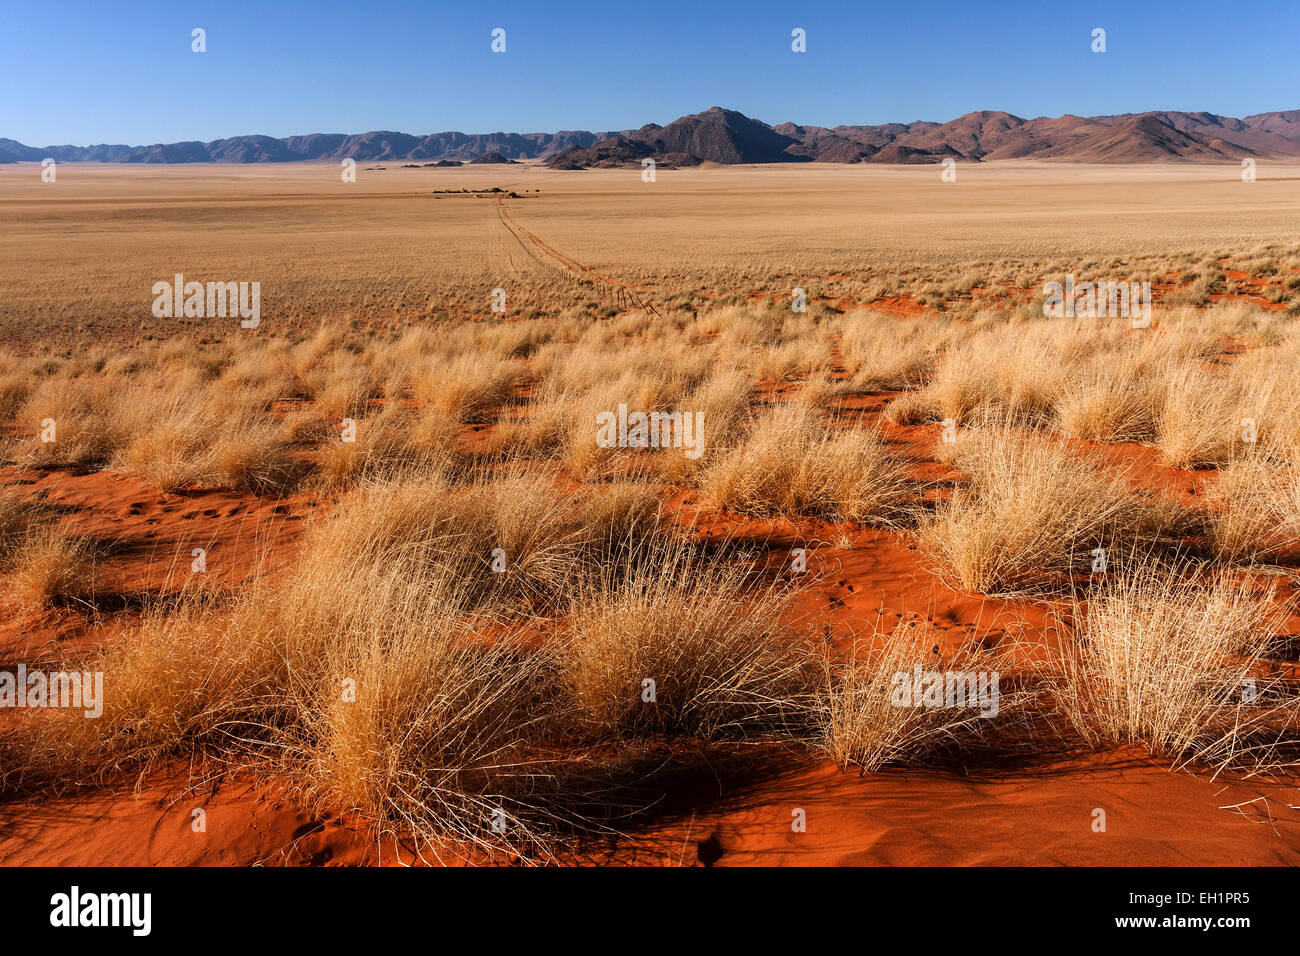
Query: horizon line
x=505 y=132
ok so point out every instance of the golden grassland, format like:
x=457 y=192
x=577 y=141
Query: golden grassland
x=523 y=689
x=482 y=687
x=81 y=254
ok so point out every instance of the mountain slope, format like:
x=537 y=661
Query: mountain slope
x=727 y=137
x=718 y=136
x=1143 y=139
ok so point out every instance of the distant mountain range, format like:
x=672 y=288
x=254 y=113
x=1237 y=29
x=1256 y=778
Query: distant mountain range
x=724 y=136
x=363 y=147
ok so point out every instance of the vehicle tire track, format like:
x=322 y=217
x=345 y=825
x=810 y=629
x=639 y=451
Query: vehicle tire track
x=627 y=295
x=528 y=250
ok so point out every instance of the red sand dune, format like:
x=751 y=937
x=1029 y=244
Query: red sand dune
x=1042 y=813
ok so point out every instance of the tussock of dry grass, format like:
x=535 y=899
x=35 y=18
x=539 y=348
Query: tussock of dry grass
x=862 y=724
x=715 y=650
x=791 y=462
x=51 y=565
x=1030 y=514
x=172 y=691
x=19 y=517
x=385 y=446
x=1168 y=658
x=1115 y=398
x=1199 y=424
x=400 y=711
x=87 y=424
x=883 y=353
x=42 y=562
x=466 y=388
x=253 y=455
x=186 y=682
x=541 y=536
x=420 y=724
x=1009 y=372
x=1254 y=512
x=345 y=389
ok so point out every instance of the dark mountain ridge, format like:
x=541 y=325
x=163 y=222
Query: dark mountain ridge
x=727 y=137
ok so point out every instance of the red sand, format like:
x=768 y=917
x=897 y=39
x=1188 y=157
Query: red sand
x=1043 y=816
x=1020 y=816
x=1038 y=815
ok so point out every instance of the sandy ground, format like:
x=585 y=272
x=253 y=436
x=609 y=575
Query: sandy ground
x=79 y=256
x=114 y=230
x=1042 y=816
x=1038 y=812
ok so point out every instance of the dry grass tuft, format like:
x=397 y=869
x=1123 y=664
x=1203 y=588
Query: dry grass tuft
x=1254 y=512
x=1168 y=658
x=19 y=518
x=419 y=724
x=1199 y=424
x=715 y=651
x=872 y=715
x=51 y=566
x=1031 y=514
x=793 y=463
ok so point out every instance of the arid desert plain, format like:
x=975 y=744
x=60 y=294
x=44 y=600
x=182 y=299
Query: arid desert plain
x=749 y=515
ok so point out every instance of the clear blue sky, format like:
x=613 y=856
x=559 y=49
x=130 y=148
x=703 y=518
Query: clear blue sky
x=108 y=72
